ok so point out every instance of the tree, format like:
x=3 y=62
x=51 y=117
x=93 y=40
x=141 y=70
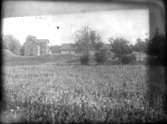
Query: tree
x=86 y=40
x=11 y=43
x=120 y=47
x=157 y=87
x=96 y=40
x=140 y=46
x=156 y=47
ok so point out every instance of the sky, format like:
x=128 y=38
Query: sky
x=129 y=24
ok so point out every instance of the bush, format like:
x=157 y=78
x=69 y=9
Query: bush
x=128 y=59
x=84 y=60
x=100 y=56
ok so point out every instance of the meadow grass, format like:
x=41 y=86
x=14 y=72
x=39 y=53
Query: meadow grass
x=36 y=60
x=75 y=93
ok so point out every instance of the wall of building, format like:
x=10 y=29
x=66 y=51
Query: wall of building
x=44 y=50
x=36 y=48
x=31 y=50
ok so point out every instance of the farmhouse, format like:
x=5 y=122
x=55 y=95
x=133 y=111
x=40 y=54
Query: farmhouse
x=36 y=47
x=67 y=49
x=140 y=56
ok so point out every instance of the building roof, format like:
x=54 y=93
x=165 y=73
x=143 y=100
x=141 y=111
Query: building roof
x=67 y=47
x=37 y=41
x=42 y=40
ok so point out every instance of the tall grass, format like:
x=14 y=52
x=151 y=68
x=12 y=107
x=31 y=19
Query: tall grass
x=77 y=93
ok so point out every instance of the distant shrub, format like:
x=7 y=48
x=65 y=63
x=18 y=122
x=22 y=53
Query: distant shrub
x=101 y=56
x=128 y=59
x=84 y=59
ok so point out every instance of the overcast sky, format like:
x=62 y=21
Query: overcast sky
x=130 y=24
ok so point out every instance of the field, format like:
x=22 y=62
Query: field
x=38 y=89
x=36 y=60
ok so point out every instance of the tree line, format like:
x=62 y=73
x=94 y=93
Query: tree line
x=87 y=40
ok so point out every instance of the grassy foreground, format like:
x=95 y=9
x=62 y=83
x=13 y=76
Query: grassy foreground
x=75 y=93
